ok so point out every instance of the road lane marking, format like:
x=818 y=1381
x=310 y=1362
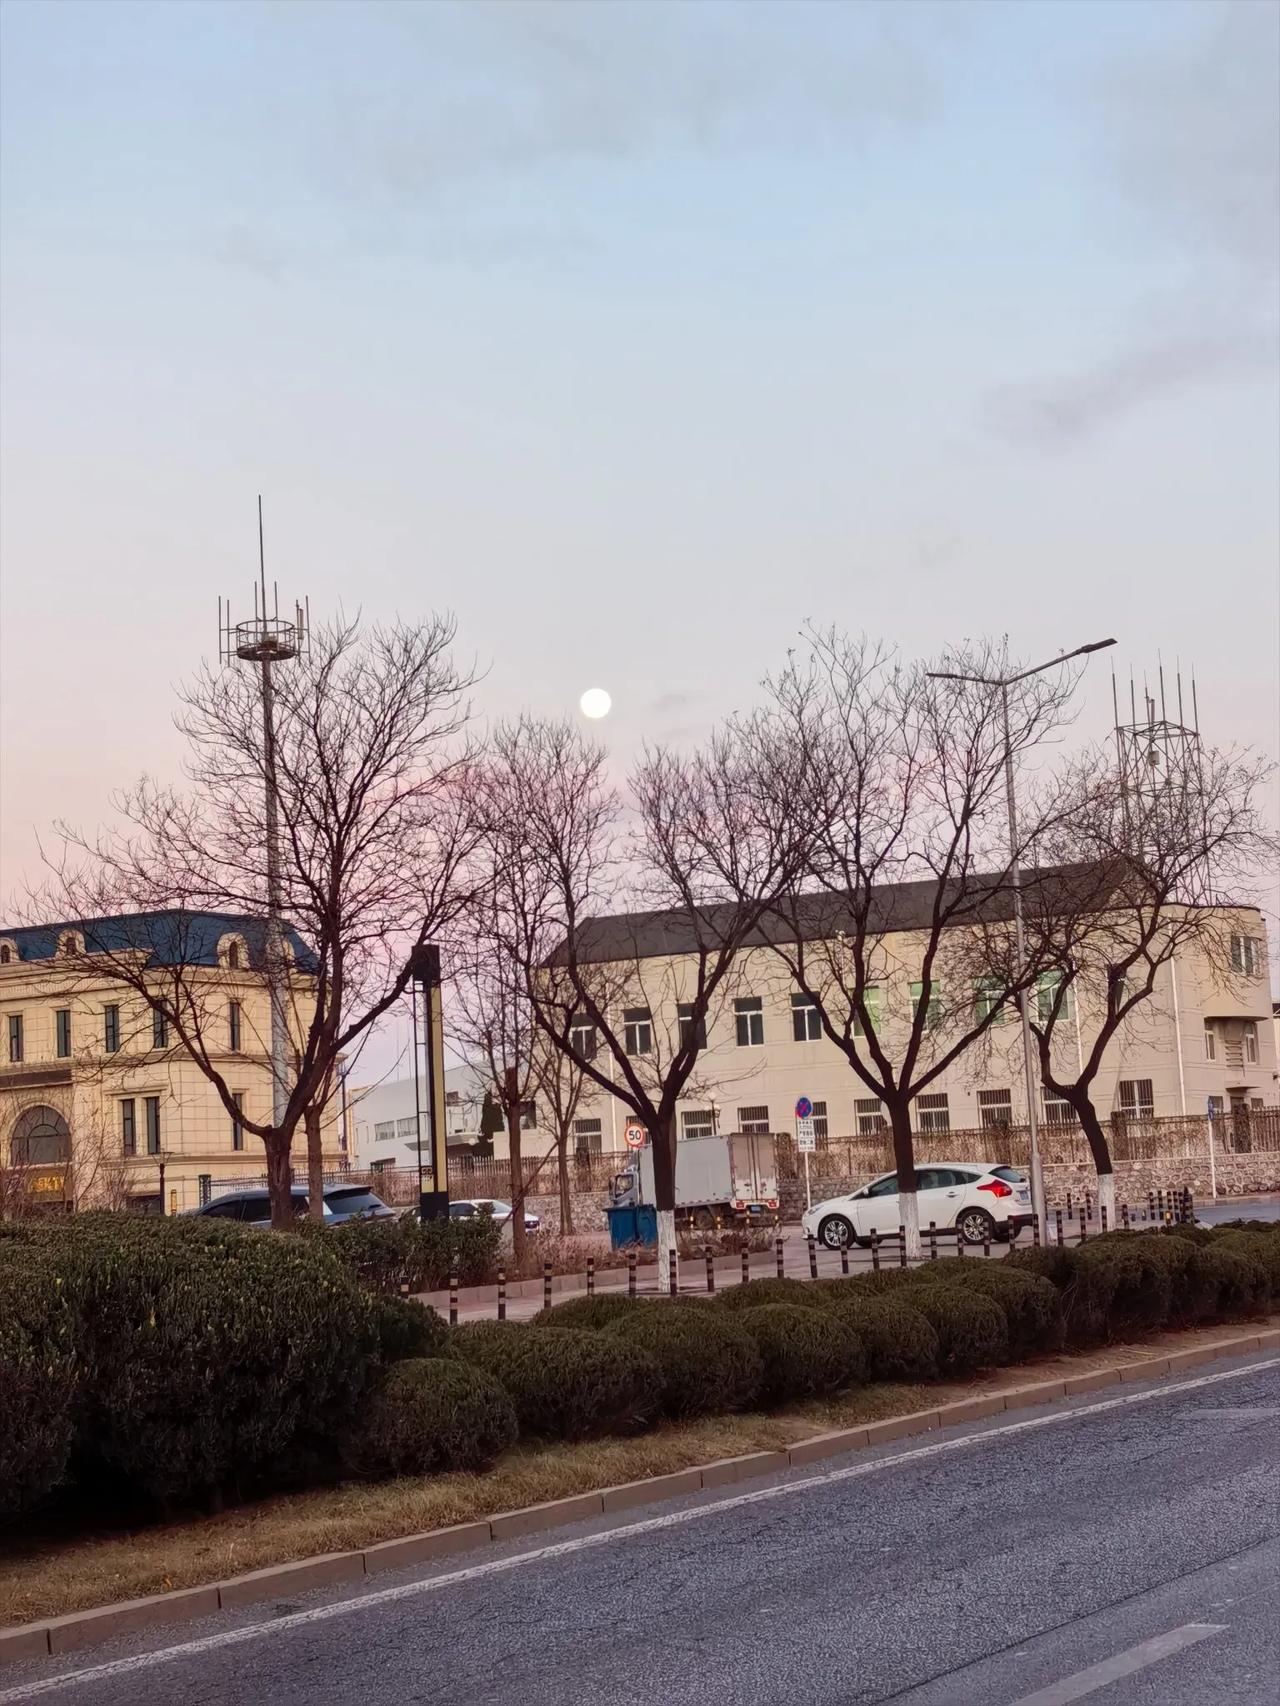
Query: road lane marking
x=1120 y=1664
x=603 y=1537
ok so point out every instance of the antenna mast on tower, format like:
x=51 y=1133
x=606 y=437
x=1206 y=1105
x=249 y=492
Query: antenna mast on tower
x=268 y=640
x=1161 y=767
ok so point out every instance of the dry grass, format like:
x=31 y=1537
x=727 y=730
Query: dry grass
x=44 y=1577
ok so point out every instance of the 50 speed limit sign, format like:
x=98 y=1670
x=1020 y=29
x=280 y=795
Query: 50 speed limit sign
x=635 y=1136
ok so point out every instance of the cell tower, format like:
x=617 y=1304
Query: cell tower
x=268 y=640
x=1161 y=768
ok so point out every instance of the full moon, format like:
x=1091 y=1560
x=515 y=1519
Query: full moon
x=595 y=702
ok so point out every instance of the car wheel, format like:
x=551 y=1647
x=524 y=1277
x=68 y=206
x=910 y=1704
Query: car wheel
x=835 y=1232
x=976 y=1226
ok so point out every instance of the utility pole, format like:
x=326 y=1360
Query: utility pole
x=267 y=641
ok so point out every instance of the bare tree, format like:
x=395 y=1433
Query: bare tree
x=624 y=933
x=558 y=1082
x=895 y=782
x=1156 y=878
x=371 y=765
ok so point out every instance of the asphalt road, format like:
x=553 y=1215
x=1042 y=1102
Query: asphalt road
x=1120 y=1548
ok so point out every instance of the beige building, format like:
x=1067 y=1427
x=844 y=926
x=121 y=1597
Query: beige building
x=100 y=1105
x=1202 y=1043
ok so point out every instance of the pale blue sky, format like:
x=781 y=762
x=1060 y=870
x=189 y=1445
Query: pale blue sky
x=636 y=335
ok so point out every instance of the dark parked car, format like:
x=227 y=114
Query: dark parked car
x=253 y=1208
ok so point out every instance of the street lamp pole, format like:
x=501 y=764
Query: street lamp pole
x=1004 y=683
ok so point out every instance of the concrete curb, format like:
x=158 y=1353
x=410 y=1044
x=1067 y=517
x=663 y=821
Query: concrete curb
x=54 y=1635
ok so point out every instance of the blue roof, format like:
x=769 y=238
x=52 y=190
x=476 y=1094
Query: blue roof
x=172 y=938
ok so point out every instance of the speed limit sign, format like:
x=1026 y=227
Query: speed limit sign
x=635 y=1136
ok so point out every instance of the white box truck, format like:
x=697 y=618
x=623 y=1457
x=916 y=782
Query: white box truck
x=732 y=1179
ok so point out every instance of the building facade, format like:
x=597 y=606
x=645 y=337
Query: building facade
x=100 y=1104
x=386 y=1119
x=1202 y=1043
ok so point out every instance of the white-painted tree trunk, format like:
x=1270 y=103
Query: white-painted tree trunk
x=1107 y=1200
x=666 y=1245
x=909 y=1208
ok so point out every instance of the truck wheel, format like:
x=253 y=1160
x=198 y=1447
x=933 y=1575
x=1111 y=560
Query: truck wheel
x=835 y=1232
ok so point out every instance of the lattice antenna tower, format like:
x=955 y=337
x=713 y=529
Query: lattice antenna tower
x=1161 y=767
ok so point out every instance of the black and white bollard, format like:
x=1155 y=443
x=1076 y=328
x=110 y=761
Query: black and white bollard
x=591 y=1276
x=502 y=1293
x=546 y=1282
x=453 y=1297
x=631 y=1273
x=813 y=1257
x=711 y=1269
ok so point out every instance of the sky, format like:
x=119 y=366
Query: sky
x=635 y=335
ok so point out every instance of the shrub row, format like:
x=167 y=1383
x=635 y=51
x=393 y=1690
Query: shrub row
x=383 y=1255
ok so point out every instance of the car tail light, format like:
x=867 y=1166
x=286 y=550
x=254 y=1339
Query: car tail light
x=739 y=1205
x=772 y=1203
x=997 y=1187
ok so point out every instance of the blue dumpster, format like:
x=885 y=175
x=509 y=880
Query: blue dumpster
x=637 y=1224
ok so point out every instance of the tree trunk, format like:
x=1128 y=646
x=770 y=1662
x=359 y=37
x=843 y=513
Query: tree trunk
x=315 y=1164
x=904 y=1160
x=566 y=1193
x=664 y=1191
x=1100 y=1150
x=511 y=1107
x=279 y=1181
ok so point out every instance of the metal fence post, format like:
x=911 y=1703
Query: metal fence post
x=502 y=1292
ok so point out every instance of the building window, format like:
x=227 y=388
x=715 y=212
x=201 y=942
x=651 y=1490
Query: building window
x=407 y=1128
x=637 y=1030
x=233 y=1026
x=1047 y=994
x=995 y=1109
x=234 y=956
x=62 y=1032
x=870 y=1114
x=1210 y=1042
x=754 y=1122
x=68 y=946
x=6 y=954
x=128 y=1126
x=111 y=1029
x=1057 y=1110
x=698 y=1122
x=933 y=1112
x=384 y=1131
x=806 y=1023
x=1251 y=1041
x=237 y=1128
x=159 y=1028
x=1137 y=1098
x=582 y=1039
x=871 y=1001
x=748 y=1013
x=689 y=1028
x=587 y=1139
x=1215 y=1107
x=1246 y=955
x=529 y=1114
x=820 y=1124
x=987 y=993
x=151 y=1106
x=40 y=1135
x=933 y=1007
x=15 y=1036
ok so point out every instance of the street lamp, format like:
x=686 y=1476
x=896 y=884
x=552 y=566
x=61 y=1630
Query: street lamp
x=1004 y=683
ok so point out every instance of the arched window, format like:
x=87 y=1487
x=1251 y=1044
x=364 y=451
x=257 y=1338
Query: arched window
x=70 y=943
x=232 y=954
x=8 y=954
x=40 y=1135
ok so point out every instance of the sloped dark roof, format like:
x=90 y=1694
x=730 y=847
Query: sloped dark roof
x=171 y=938
x=822 y=914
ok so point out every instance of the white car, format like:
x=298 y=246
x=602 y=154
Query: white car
x=982 y=1201
x=467 y=1208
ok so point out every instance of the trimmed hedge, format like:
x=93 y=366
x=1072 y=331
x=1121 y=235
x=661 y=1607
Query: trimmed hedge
x=204 y=1355
x=1030 y=1303
x=707 y=1363
x=1233 y=1278
x=973 y=1332
x=754 y=1293
x=887 y=1282
x=899 y=1343
x=37 y=1385
x=806 y=1353
x=407 y=1329
x=383 y=1255
x=564 y=1383
x=588 y=1313
x=1261 y=1245
x=428 y=1415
